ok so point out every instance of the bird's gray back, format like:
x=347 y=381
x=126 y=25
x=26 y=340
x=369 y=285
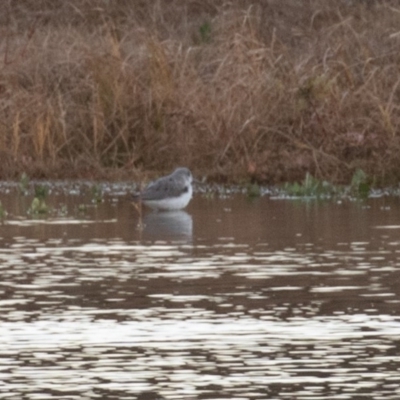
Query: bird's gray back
x=165 y=187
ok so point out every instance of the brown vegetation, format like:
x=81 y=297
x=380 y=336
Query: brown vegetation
x=264 y=90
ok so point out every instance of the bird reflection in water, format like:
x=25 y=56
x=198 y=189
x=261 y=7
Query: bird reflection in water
x=168 y=225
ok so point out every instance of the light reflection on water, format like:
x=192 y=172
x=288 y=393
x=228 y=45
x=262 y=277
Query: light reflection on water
x=229 y=299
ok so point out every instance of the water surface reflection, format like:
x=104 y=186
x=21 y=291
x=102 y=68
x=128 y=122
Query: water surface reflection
x=228 y=299
x=168 y=226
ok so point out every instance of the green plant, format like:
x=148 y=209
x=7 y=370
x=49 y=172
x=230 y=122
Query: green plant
x=253 y=190
x=97 y=194
x=359 y=186
x=310 y=187
x=38 y=205
x=41 y=191
x=3 y=212
x=205 y=32
x=82 y=208
x=24 y=183
x=62 y=210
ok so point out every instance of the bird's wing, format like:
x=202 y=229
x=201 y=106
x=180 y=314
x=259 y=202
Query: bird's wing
x=163 y=188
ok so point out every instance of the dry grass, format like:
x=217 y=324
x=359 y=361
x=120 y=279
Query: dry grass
x=263 y=90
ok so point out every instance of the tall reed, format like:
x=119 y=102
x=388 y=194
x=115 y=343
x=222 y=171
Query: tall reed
x=246 y=90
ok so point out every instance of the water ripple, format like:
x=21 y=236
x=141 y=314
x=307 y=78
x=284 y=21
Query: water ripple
x=97 y=308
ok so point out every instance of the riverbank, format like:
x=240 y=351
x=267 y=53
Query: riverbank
x=252 y=91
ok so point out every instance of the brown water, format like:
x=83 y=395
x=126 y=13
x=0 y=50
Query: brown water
x=231 y=298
